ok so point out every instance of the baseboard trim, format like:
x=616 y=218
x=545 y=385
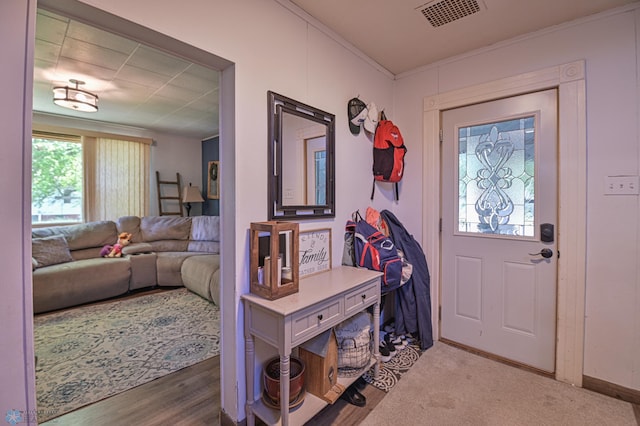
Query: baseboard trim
x=497 y=358
x=611 y=389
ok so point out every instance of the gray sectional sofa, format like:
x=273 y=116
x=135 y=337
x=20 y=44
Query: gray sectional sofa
x=164 y=251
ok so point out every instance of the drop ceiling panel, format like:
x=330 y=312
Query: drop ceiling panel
x=46 y=51
x=51 y=29
x=207 y=104
x=143 y=77
x=179 y=93
x=127 y=92
x=93 y=75
x=149 y=59
x=189 y=80
x=92 y=54
x=104 y=39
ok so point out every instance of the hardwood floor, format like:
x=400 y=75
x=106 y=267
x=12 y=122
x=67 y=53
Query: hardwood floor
x=191 y=397
x=344 y=414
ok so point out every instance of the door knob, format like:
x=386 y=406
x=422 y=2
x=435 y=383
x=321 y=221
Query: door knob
x=545 y=252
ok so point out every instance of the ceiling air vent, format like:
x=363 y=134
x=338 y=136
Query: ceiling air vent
x=444 y=11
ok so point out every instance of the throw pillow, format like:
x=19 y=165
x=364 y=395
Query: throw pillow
x=50 y=250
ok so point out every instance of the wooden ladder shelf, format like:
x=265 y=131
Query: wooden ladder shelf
x=167 y=198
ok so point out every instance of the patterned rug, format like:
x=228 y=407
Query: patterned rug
x=93 y=352
x=393 y=370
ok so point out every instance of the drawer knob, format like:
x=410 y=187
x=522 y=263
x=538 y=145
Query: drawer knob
x=320 y=317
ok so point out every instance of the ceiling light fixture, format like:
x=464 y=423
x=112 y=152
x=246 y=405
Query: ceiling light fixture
x=75 y=98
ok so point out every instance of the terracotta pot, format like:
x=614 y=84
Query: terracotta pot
x=271 y=375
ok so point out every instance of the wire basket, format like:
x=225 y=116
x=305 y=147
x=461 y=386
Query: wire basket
x=354 y=344
x=353 y=358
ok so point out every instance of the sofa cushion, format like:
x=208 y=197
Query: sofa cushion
x=169 y=245
x=169 y=264
x=204 y=246
x=50 y=251
x=205 y=228
x=82 y=281
x=86 y=235
x=143 y=270
x=198 y=276
x=137 y=248
x=88 y=253
x=155 y=228
x=130 y=224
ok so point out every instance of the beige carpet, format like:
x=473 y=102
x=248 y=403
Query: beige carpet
x=449 y=386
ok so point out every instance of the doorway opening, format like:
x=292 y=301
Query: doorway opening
x=111 y=23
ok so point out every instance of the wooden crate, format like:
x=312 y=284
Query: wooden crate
x=320 y=356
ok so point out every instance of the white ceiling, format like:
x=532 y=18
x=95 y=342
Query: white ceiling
x=142 y=87
x=396 y=35
x=136 y=85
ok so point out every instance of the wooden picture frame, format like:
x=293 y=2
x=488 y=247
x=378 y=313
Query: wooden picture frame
x=315 y=251
x=213 y=180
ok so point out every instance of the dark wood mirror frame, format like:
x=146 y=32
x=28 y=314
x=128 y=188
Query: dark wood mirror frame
x=282 y=110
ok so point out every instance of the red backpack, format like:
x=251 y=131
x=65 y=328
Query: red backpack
x=388 y=154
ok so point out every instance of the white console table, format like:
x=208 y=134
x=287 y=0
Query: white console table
x=323 y=301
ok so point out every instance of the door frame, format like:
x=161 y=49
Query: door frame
x=569 y=79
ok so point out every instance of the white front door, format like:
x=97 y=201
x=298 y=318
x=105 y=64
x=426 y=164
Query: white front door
x=499 y=210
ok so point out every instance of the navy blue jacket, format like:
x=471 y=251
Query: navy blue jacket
x=413 y=299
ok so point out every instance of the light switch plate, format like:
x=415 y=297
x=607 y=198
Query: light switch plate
x=622 y=185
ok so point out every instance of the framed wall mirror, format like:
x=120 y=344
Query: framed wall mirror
x=301 y=160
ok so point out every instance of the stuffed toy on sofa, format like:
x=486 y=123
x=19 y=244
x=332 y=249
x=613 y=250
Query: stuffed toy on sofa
x=124 y=239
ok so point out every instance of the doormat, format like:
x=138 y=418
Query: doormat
x=393 y=370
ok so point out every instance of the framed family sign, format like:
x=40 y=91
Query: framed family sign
x=315 y=251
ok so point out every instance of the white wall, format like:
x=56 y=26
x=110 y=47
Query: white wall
x=608 y=44
x=273 y=49
x=171 y=154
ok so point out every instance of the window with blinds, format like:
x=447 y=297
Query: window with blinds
x=83 y=178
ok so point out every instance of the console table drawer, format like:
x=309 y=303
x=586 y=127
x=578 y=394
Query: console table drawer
x=366 y=295
x=308 y=322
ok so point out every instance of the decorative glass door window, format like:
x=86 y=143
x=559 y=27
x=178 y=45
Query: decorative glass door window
x=496 y=169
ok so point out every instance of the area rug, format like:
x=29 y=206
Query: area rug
x=393 y=370
x=93 y=352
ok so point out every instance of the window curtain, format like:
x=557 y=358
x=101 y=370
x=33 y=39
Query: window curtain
x=116 y=178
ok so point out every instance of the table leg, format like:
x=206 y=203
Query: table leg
x=249 y=363
x=376 y=339
x=285 y=367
